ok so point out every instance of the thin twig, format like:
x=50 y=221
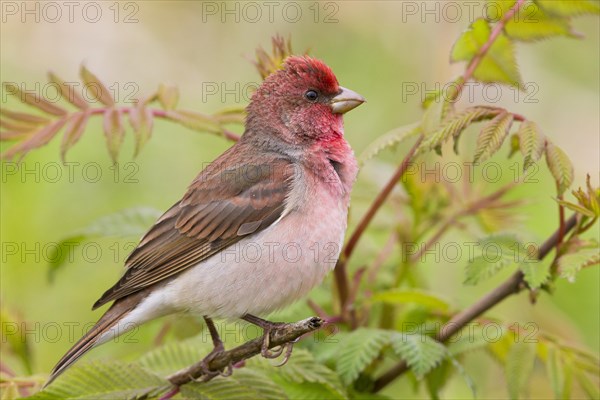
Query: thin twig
x=317 y=309
x=340 y=272
x=512 y=285
x=278 y=337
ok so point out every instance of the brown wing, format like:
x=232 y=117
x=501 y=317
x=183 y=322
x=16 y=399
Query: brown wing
x=220 y=207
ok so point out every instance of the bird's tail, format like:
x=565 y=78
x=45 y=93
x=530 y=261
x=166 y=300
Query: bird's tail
x=106 y=328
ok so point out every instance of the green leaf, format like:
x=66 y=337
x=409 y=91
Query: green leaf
x=302 y=370
x=176 y=355
x=531 y=143
x=416 y=296
x=577 y=208
x=10 y=392
x=454 y=126
x=358 y=350
x=168 y=96
x=68 y=92
x=484 y=267
x=96 y=88
x=590 y=388
x=75 y=127
x=33 y=99
x=536 y=273
x=570 y=8
x=196 y=121
x=142 y=122
x=389 y=141
x=124 y=223
x=37 y=139
x=420 y=352
x=497 y=252
x=555 y=371
x=103 y=380
x=113 y=132
x=307 y=391
x=533 y=23
x=467 y=378
x=519 y=365
x=245 y=383
x=570 y=264
x=514 y=144
x=498 y=64
x=560 y=166
x=492 y=136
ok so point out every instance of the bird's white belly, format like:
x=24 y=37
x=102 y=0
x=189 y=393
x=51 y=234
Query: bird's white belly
x=263 y=272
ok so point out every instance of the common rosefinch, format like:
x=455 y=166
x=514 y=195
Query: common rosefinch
x=258 y=228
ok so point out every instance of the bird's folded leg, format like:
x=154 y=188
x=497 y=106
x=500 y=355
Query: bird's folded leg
x=268 y=327
x=218 y=348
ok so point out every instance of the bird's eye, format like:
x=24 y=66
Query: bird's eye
x=311 y=95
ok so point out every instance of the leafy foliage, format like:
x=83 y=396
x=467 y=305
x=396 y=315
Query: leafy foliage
x=519 y=365
x=536 y=273
x=389 y=141
x=499 y=65
x=358 y=350
x=588 y=202
x=586 y=255
x=497 y=252
x=421 y=352
x=492 y=136
x=531 y=142
x=570 y=8
x=533 y=23
x=457 y=124
x=34 y=131
x=560 y=166
x=104 y=380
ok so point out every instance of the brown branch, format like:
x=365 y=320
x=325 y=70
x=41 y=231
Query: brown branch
x=512 y=285
x=278 y=337
x=340 y=273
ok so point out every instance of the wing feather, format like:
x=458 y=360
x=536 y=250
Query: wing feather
x=220 y=207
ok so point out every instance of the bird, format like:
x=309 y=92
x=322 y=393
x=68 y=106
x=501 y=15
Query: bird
x=257 y=229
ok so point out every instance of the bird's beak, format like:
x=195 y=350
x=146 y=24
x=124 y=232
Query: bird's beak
x=345 y=101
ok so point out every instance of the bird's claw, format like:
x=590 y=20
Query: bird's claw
x=288 y=352
x=287 y=347
x=207 y=373
x=264 y=350
x=268 y=327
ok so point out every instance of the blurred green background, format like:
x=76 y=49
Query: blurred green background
x=374 y=47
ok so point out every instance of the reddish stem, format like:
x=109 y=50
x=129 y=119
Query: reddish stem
x=158 y=113
x=340 y=272
x=561 y=221
x=476 y=60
